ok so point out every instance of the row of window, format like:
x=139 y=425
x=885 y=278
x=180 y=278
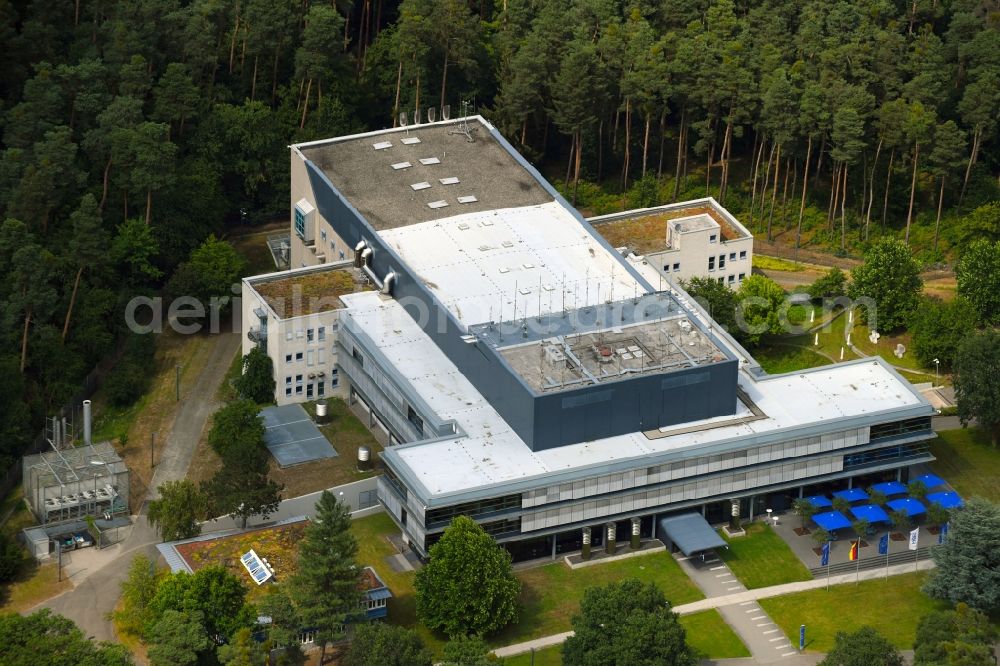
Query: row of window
x=372 y=604
x=311 y=357
x=732 y=279
x=333 y=244
x=312 y=335
x=312 y=387
x=472 y=509
x=722 y=260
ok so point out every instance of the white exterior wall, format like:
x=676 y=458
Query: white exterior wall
x=692 y=250
x=290 y=338
x=325 y=245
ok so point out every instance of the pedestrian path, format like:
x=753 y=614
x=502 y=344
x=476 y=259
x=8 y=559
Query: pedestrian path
x=765 y=640
x=736 y=598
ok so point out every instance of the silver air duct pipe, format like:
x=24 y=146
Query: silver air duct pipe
x=86 y=422
x=388 y=282
x=362 y=244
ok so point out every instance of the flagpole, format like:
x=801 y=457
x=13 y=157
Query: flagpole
x=828 y=565
x=857 y=579
x=887 y=540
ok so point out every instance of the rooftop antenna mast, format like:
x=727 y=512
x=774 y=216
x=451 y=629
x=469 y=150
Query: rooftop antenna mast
x=463 y=126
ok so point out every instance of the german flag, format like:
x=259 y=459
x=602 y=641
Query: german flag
x=854 y=550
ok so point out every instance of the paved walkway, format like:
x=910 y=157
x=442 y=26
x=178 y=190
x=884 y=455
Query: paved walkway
x=97 y=577
x=758 y=632
x=746 y=598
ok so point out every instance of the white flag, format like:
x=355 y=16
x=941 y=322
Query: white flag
x=914 y=536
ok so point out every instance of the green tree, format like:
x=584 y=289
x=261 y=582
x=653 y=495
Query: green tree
x=178 y=638
x=176 y=97
x=237 y=427
x=211 y=272
x=326 y=587
x=468 y=586
x=177 y=511
x=918 y=127
x=285 y=625
x=241 y=488
x=946 y=157
x=804 y=509
x=135 y=249
x=718 y=299
x=12 y=558
x=978 y=276
x=864 y=647
x=900 y=520
x=87 y=246
x=890 y=277
x=977 y=391
x=759 y=307
x=831 y=285
x=257 y=381
x=467 y=651
x=219 y=596
x=939 y=327
x=626 y=623
x=44 y=638
x=966 y=568
x=242 y=650
x=574 y=89
x=959 y=637
x=138 y=590
x=381 y=644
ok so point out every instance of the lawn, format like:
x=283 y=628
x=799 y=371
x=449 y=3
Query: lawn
x=967 y=460
x=776 y=264
x=778 y=358
x=551 y=656
x=762 y=558
x=849 y=607
x=550 y=594
x=709 y=634
x=33 y=585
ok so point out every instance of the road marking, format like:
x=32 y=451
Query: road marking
x=732 y=580
x=730 y=589
x=770 y=631
x=759 y=617
x=779 y=638
x=726 y=573
x=789 y=654
x=717 y=568
x=752 y=610
x=782 y=647
x=711 y=561
x=764 y=624
x=745 y=603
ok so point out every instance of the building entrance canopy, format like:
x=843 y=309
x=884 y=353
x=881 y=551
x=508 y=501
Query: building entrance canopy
x=690 y=532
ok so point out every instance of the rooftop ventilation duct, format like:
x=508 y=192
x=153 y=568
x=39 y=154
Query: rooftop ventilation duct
x=358 y=251
x=388 y=282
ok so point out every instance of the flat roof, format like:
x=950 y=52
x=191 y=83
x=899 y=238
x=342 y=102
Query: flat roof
x=644 y=230
x=490 y=454
x=308 y=291
x=392 y=176
x=513 y=263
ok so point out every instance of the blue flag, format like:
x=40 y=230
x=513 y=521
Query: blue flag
x=943 y=533
x=883 y=545
x=826 y=554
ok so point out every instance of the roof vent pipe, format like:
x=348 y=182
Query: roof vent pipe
x=366 y=256
x=388 y=282
x=86 y=422
x=362 y=244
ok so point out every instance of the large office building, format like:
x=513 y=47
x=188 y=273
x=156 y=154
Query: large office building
x=535 y=379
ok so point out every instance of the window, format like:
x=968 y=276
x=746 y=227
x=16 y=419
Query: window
x=722 y=261
x=677 y=267
x=322 y=235
x=321 y=333
x=732 y=279
x=310 y=335
x=732 y=256
x=321 y=356
x=298 y=356
x=713 y=238
x=288 y=358
x=334 y=378
x=711 y=263
x=743 y=254
x=288 y=380
x=309 y=390
x=742 y=276
x=298 y=379
x=414 y=418
x=321 y=388
x=300 y=223
x=288 y=391
x=333 y=246
x=288 y=335
x=358 y=356
x=298 y=390
x=309 y=357
x=666 y=267
x=341 y=254
x=721 y=280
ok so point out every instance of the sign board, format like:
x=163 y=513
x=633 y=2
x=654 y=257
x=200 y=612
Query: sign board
x=802 y=637
x=914 y=538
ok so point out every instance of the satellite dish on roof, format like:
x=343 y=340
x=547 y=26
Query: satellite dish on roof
x=431 y=114
x=446 y=112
